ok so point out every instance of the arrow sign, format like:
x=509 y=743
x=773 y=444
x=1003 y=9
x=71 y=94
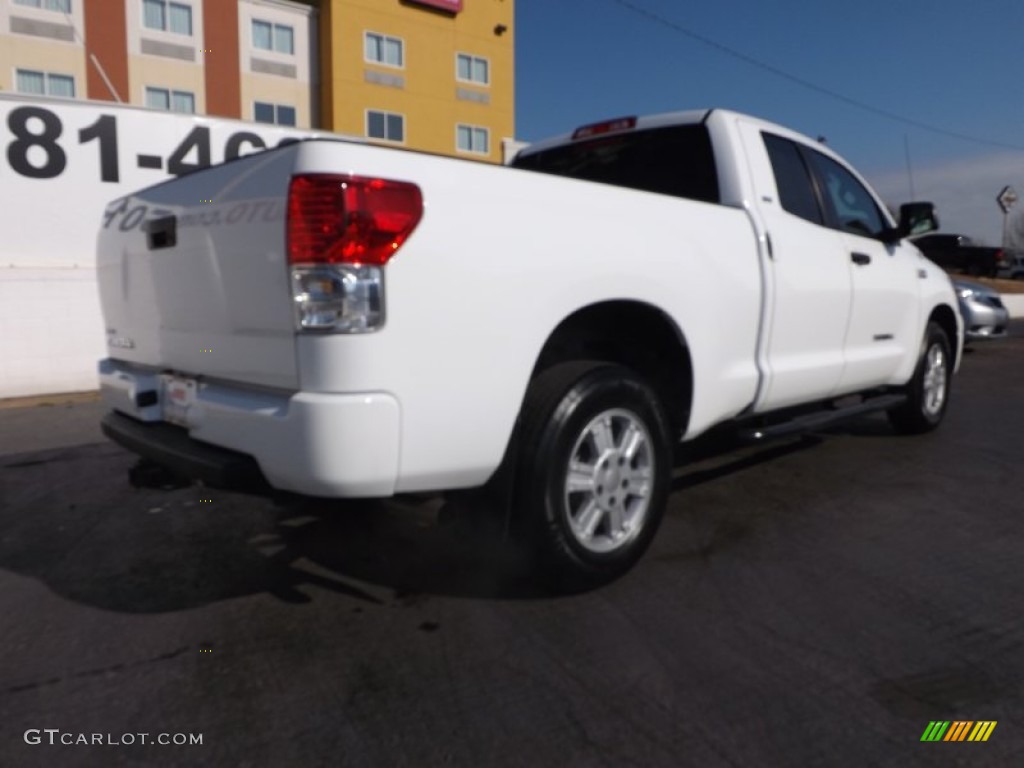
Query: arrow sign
x=1007 y=198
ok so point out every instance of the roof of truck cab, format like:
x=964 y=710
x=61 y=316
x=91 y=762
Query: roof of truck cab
x=687 y=117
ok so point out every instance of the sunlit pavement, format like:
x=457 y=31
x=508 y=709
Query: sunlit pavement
x=813 y=602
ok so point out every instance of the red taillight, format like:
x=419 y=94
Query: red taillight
x=336 y=219
x=606 y=127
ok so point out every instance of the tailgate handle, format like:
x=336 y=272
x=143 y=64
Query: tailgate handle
x=162 y=232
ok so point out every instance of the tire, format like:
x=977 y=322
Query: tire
x=928 y=389
x=591 y=524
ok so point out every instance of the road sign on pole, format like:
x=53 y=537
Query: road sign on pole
x=1007 y=198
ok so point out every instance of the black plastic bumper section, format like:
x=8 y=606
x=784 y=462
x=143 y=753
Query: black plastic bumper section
x=171 y=447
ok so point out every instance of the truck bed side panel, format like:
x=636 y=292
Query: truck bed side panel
x=500 y=259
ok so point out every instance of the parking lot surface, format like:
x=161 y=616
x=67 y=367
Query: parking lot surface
x=816 y=602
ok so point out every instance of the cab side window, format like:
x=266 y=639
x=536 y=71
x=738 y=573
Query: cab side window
x=792 y=179
x=852 y=206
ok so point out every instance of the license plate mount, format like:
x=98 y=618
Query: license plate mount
x=178 y=394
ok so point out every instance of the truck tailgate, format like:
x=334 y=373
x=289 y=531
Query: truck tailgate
x=193 y=274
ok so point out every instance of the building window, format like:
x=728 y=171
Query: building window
x=472 y=69
x=167 y=17
x=279 y=114
x=45 y=83
x=381 y=49
x=385 y=125
x=470 y=138
x=47 y=5
x=273 y=37
x=173 y=101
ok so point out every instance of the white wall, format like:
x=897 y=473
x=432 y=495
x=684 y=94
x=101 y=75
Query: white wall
x=1014 y=303
x=52 y=334
x=53 y=197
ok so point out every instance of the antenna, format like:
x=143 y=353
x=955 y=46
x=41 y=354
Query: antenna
x=910 y=169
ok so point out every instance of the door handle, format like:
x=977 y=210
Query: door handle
x=860 y=259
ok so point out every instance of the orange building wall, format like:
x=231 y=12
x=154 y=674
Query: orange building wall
x=106 y=33
x=220 y=55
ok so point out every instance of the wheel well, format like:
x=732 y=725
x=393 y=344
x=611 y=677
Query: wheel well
x=635 y=335
x=946 y=318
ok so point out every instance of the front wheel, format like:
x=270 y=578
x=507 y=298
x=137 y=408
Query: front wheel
x=928 y=389
x=594 y=472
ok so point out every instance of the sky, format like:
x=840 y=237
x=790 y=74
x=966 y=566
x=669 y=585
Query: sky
x=944 y=66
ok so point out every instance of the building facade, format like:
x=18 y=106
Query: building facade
x=435 y=75
x=431 y=75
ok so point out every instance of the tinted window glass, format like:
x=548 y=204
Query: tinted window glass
x=677 y=160
x=285 y=115
x=796 y=190
x=854 y=208
x=263 y=113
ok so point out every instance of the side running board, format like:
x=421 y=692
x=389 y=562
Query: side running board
x=812 y=421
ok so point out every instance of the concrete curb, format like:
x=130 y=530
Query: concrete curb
x=58 y=398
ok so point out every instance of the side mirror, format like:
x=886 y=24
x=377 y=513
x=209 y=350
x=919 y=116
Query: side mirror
x=917 y=219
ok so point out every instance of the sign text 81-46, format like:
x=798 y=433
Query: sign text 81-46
x=39 y=129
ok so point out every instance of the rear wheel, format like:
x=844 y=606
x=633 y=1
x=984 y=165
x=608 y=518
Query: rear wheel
x=594 y=470
x=928 y=389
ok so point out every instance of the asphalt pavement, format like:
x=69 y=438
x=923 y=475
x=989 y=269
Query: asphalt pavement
x=816 y=602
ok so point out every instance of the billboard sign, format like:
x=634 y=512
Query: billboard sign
x=62 y=161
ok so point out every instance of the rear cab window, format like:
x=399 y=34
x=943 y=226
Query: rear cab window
x=675 y=160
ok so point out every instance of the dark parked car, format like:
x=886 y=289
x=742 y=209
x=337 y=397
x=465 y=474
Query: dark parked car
x=959 y=253
x=1015 y=270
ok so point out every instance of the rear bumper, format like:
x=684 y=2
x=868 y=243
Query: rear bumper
x=336 y=445
x=171 y=447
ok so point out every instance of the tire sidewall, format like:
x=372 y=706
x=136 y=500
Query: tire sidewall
x=603 y=389
x=935 y=336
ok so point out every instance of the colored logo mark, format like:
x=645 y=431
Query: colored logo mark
x=959 y=730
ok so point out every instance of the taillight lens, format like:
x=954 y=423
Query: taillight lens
x=608 y=126
x=336 y=219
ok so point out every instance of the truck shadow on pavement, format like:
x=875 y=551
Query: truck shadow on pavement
x=70 y=519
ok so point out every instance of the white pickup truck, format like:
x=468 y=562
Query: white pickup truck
x=348 y=320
